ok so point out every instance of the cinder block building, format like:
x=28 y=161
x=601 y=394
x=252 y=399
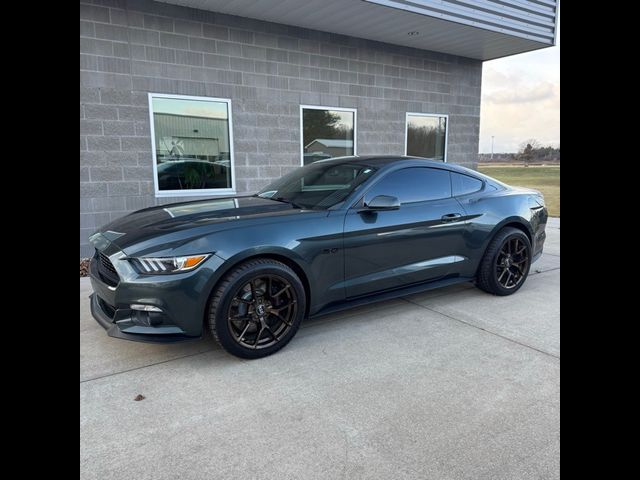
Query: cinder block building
x=188 y=99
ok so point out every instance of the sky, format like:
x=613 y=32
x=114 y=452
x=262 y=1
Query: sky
x=521 y=100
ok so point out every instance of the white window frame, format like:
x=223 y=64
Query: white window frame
x=199 y=191
x=418 y=114
x=339 y=109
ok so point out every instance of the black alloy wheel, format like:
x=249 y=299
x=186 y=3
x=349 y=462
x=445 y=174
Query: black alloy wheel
x=512 y=263
x=257 y=308
x=262 y=311
x=506 y=262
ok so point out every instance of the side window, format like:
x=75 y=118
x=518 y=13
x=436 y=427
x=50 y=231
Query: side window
x=464 y=184
x=416 y=184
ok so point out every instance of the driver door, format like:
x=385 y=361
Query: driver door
x=418 y=242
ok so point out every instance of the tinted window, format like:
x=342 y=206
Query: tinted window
x=413 y=185
x=318 y=185
x=463 y=184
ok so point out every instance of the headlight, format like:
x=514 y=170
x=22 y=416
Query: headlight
x=164 y=265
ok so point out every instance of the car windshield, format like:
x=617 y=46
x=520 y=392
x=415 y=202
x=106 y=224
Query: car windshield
x=318 y=185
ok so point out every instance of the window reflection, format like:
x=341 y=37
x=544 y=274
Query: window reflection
x=192 y=144
x=327 y=133
x=426 y=136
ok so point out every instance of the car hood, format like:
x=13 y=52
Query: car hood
x=170 y=225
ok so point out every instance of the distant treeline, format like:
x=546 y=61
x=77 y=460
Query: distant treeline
x=531 y=156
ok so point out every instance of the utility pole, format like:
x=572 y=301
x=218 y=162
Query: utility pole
x=491 y=147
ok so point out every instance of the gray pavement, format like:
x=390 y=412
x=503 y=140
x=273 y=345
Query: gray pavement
x=449 y=384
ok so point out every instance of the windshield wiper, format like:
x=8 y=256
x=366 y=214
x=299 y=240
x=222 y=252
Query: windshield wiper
x=290 y=202
x=284 y=200
x=281 y=199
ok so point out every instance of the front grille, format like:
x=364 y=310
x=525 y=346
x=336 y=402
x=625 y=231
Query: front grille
x=106 y=263
x=106 y=270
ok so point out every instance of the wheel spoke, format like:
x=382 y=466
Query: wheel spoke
x=242 y=300
x=239 y=317
x=282 y=319
x=502 y=274
x=282 y=307
x=271 y=332
x=284 y=289
x=506 y=283
x=241 y=336
x=255 y=344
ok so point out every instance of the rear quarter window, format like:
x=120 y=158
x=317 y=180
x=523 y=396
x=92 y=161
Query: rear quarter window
x=464 y=184
x=413 y=184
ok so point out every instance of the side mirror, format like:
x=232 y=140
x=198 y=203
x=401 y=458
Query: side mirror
x=383 y=202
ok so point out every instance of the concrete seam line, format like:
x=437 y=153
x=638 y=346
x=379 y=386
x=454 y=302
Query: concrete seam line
x=485 y=330
x=145 y=366
x=545 y=271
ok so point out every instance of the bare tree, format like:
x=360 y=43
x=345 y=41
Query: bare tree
x=527 y=149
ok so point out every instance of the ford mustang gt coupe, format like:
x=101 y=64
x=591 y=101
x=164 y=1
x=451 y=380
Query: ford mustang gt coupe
x=328 y=236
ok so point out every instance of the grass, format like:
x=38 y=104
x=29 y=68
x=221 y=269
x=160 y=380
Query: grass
x=544 y=179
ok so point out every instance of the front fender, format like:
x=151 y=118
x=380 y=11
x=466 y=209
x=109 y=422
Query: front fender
x=279 y=253
x=272 y=251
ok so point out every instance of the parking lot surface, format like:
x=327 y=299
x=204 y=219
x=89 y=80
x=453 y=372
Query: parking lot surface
x=450 y=384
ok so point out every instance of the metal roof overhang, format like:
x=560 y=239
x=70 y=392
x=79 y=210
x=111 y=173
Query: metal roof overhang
x=478 y=29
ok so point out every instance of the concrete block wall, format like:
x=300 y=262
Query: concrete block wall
x=130 y=48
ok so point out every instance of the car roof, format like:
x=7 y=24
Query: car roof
x=380 y=161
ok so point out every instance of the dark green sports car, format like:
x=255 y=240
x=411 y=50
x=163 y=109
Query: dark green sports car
x=328 y=236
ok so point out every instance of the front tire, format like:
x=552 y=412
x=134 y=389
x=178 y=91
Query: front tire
x=506 y=263
x=257 y=308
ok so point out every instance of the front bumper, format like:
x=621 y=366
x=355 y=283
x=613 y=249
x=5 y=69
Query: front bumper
x=182 y=299
x=134 y=332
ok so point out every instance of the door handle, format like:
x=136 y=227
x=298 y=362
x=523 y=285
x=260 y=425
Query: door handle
x=451 y=217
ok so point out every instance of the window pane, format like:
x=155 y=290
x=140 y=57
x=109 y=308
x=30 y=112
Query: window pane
x=413 y=185
x=463 y=184
x=192 y=144
x=326 y=134
x=426 y=136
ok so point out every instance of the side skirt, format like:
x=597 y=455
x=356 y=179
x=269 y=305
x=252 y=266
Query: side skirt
x=388 y=295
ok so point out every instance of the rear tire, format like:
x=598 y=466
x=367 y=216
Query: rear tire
x=506 y=263
x=257 y=308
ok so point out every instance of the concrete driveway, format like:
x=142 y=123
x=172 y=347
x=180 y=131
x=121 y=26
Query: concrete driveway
x=449 y=384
